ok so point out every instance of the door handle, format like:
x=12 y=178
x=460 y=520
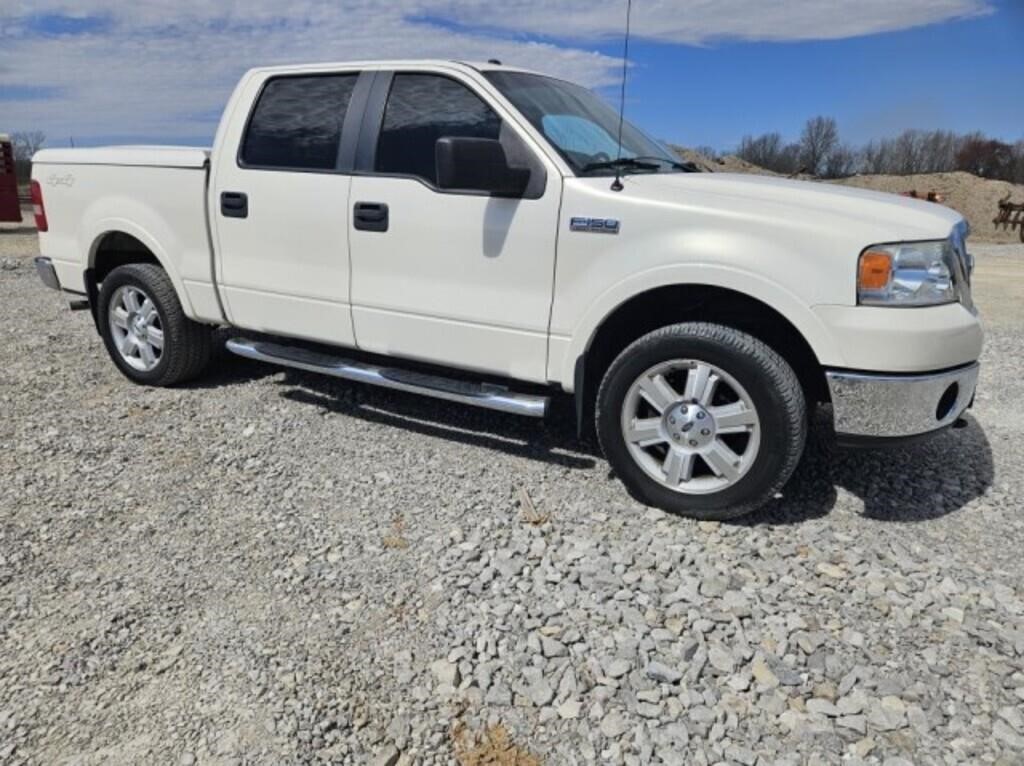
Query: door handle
x=234 y=204
x=370 y=216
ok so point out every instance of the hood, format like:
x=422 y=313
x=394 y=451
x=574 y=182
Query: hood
x=873 y=217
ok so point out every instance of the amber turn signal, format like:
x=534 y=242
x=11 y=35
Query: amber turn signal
x=875 y=270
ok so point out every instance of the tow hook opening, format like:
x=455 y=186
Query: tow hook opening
x=947 y=401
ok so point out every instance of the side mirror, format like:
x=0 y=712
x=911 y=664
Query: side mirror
x=478 y=164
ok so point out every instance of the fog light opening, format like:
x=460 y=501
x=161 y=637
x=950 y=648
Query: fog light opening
x=947 y=401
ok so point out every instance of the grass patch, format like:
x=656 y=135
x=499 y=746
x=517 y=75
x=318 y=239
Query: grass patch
x=492 y=747
x=395 y=539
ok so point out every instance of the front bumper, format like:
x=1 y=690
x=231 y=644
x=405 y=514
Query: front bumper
x=867 y=406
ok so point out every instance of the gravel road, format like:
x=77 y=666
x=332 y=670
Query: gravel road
x=275 y=568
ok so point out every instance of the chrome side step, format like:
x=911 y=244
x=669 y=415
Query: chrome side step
x=485 y=395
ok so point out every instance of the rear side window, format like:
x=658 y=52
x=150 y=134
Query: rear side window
x=422 y=108
x=296 y=124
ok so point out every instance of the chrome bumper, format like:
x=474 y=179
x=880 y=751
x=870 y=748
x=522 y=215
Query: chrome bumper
x=872 y=405
x=44 y=268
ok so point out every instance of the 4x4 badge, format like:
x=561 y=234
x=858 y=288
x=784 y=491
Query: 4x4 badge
x=598 y=225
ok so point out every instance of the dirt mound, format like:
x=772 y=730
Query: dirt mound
x=726 y=163
x=976 y=199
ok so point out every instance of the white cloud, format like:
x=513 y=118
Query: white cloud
x=164 y=68
x=701 y=21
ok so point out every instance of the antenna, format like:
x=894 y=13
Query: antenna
x=617 y=183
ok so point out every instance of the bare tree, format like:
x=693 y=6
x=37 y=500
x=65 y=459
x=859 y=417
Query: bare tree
x=841 y=162
x=1018 y=162
x=819 y=138
x=987 y=158
x=708 y=151
x=876 y=157
x=911 y=152
x=908 y=153
x=761 y=150
x=938 y=151
x=26 y=143
x=769 y=151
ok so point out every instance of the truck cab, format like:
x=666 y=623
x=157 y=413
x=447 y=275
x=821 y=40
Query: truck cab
x=491 y=236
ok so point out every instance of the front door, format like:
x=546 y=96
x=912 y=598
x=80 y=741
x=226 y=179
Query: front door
x=281 y=211
x=458 y=278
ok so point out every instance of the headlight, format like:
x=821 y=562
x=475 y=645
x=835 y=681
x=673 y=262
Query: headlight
x=908 y=274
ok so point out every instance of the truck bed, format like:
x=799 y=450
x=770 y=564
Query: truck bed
x=155 y=194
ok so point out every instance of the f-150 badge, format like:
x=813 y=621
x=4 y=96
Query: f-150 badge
x=597 y=225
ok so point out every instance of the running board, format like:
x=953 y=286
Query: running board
x=485 y=395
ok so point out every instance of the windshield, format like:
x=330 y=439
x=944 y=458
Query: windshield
x=581 y=126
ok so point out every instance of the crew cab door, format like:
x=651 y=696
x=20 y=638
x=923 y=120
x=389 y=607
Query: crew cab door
x=458 y=278
x=279 y=203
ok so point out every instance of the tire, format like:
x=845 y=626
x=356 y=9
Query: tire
x=727 y=392
x=184 y=347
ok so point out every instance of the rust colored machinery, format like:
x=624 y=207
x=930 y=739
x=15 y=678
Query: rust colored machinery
x=1010 y=216
x=10 y=209
x=931 y=196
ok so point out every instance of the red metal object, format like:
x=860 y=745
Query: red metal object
x=10 y=209
x=38 y=208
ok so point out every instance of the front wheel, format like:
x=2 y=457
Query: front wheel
x=702 y=420
x=145 y=329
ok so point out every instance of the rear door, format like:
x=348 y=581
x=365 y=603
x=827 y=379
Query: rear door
x=457 y=278
x=280 y=205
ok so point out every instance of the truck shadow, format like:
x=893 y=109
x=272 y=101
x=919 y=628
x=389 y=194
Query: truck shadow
x=913 y=483
x=916 y=482
x=551 y=441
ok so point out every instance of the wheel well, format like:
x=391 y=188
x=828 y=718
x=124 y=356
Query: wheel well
x=681 y=303
x=115 y=249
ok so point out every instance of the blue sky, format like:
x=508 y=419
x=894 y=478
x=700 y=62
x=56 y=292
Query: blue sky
x=703 y=72
x=962 y=75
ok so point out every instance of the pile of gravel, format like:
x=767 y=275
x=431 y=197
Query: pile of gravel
x=267 y=567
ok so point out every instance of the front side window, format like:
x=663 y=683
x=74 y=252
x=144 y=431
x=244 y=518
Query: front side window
x=296 y=124
x=579 y=125
x=422 y=108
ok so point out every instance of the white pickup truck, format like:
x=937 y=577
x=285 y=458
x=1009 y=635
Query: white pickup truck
x=479 y=233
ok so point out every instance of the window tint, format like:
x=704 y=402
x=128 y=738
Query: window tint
x=297 y=122
x=422 y=108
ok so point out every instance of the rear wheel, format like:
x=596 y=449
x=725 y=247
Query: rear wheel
x=145 y=329
x=702 y=420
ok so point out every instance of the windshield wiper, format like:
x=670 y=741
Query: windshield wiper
x=621 y=162
x=643 y=162
x=686 y=167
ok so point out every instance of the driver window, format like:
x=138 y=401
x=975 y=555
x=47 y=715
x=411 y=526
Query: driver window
x=422 y=108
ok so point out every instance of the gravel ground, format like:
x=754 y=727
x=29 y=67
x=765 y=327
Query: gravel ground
x=268 y=567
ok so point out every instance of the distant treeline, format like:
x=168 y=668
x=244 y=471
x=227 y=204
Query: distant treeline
x=821 y=152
